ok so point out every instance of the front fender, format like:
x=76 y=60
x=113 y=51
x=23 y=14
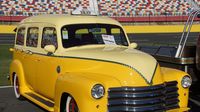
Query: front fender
x=177 y=75
x=16 y=67
x=79 y=86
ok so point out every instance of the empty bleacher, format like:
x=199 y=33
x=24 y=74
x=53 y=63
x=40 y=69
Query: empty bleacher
x=197 y=2
x=33 y=7
x=105 y=7
x=143 y=7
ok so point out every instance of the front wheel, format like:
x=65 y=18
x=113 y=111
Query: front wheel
x=70 y=105
x=16 y=87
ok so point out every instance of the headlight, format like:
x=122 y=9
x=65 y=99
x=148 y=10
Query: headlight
x=186 y=82
x=97 y=91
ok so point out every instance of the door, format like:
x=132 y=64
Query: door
x=48 y=65
x=30 y=56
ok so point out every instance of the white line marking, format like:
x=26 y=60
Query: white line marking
x=2 y=87
x=195 y=101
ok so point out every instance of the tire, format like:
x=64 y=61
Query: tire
x=70 y=105
x=16 y=88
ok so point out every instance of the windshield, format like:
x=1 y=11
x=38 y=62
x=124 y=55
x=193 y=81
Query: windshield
x=87 y=34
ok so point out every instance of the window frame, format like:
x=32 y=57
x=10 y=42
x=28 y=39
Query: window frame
x=108 y=31
x=24 y=40
x=27 y=36
x=43 y=37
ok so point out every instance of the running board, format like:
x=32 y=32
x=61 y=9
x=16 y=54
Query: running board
x=42 y=102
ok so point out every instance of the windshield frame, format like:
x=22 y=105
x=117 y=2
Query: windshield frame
x=97 y=24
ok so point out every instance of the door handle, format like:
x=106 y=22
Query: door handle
x=19 y=50
x=28 y=52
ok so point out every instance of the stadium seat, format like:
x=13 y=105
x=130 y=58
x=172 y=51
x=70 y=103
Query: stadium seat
x=143 y=7
x=114 y=8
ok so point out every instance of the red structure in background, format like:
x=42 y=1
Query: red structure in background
x=120 y=19
x=12 y=18
x=153 y=19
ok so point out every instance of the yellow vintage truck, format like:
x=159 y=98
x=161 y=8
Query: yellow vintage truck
x=87 y=64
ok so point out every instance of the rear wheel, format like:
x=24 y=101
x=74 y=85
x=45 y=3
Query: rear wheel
x=70 y=105
x=16 y=87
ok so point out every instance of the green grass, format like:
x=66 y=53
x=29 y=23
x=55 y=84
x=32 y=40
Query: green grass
x=5 y=59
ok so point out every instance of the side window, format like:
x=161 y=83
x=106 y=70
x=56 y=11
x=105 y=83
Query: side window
x=20 y=36
x=49 y=37
x=32 y=37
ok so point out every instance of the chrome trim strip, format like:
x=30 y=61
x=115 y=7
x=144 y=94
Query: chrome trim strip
x=182 y=61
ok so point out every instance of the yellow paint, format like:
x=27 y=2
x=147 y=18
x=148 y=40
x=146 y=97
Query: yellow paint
x=126 y=57
x=171 y=74
x=7 y=29
x=76 y=70
x=159 y=28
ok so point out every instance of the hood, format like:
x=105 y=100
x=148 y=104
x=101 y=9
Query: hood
x=144 y=64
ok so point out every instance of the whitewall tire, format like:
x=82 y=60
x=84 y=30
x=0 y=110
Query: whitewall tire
x=16 y=86
x=70 y=105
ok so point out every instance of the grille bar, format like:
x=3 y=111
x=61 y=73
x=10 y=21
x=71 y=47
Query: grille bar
x=135 y=102
x=135 y=95
x=137 y=89
x=160 y=97
x=152 y=108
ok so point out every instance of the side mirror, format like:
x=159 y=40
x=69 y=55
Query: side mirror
x=50 y=48
x=133 y=45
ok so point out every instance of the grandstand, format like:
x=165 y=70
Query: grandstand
x=197 y=2
x=122 y=10
x=143 y=7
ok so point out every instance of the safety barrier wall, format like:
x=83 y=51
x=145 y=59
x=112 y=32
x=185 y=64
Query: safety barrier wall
x=153 y=19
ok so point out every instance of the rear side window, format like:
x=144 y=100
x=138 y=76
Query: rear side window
x=32 y=37
x=49 y=37
x=20 y=36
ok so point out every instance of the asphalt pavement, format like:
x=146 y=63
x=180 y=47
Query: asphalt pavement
x=161 y=38
x=7 y=38
x=8 y=102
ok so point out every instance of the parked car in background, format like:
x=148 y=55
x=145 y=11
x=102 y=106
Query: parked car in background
x=87 y=64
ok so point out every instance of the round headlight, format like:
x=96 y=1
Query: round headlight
x=186 y=82
x=98 y=91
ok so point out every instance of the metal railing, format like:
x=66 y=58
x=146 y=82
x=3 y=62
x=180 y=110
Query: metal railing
x=186 y=32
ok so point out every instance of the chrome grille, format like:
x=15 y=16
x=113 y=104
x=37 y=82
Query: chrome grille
x=138 y=99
